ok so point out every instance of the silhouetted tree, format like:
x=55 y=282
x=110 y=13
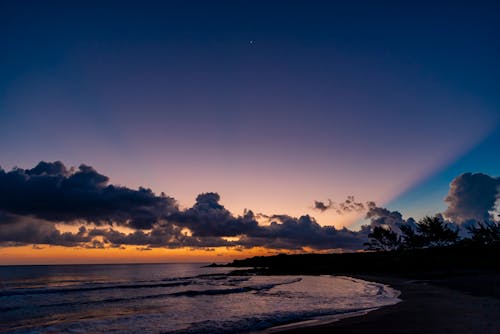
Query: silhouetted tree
x=435 y=233
x=383 y=239
x=486 y=233
x=410 y=238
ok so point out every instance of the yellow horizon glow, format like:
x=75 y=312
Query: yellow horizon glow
x=45 y=254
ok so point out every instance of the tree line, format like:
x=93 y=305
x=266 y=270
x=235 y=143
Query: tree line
x=431 y=232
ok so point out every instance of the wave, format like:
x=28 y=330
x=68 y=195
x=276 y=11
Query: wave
x=145 y=311
x=194 y=293
x=187 y=293
x=163 y=283
x=95 y=288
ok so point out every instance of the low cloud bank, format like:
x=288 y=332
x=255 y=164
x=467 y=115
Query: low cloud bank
x=52 y=192
x=34 y=202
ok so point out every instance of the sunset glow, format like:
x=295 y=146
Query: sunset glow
x=257 y=127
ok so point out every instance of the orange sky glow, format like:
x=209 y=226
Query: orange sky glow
x=43 y=254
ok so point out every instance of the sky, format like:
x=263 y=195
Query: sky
x=272 y=105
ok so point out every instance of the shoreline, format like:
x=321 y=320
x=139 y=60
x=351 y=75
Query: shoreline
x=326 y=320
x=315 y=322
x=426 y=306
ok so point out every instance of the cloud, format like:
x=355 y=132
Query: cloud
x=472 y=197
x=495 y=213
x=95 y=244
x=34 y=201
x=52 y=192
x=322 y=206
x=383 y=217
x=284 y=232
x=349 y=205
x=287 y=232
x=28 y=230
x=208 y=217
x=164 y=235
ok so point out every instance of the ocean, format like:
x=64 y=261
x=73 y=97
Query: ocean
x=171 y=298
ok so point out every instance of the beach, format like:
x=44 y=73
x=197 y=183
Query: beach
x=464 y=304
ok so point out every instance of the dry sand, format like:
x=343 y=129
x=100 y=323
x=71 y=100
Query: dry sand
x=454 y=305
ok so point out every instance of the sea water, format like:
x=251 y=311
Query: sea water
x=171 y=298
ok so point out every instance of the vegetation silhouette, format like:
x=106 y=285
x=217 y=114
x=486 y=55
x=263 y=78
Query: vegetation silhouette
x=487 y=233
x=432 y=262
x=429 y=248
x=431 y=232
x=411 y=239
x=382 y=238
x=435 y=232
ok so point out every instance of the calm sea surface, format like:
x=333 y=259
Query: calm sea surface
x=170 y=298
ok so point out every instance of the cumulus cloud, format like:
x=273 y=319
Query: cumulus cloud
x=208 y=217
x=349 y=205
x=383 y=217
x=164 y=235
x=34 y=201
x=287 y=232
x=472 y=197
x=284 y=232
x=50 y=191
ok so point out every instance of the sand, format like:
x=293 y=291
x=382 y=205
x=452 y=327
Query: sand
x=453 y=305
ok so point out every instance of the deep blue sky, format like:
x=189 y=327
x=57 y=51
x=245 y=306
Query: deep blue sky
x=271 y=104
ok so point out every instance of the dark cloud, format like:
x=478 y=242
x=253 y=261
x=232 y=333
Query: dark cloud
x=284 y=232
x=32 y=201
x=347 y=206
x=162 y=235
x=472 y=197
x=208 y=217
x=49 y=168
x=52 y=192
x=95 y=244
x=383 y=217
x=394 y=220
x=322 y=206
x=28 y=230
x=287 y=232
x=142 y=249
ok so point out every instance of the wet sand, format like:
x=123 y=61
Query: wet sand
x=454 y=305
